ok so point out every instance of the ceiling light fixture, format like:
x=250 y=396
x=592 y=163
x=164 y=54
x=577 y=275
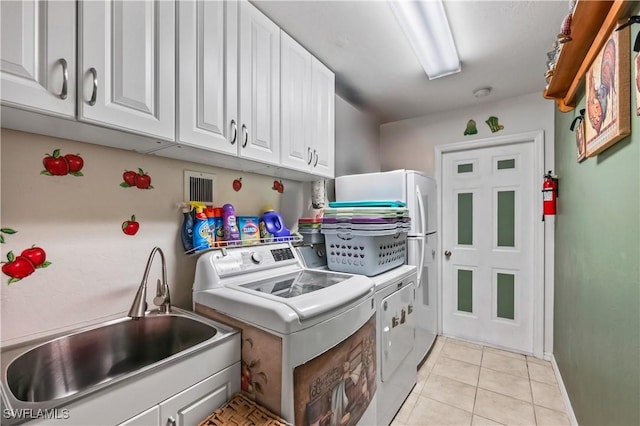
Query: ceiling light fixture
x=482 y=92
x=425 y=24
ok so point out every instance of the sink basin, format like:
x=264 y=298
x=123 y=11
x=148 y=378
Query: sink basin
x=84 y=360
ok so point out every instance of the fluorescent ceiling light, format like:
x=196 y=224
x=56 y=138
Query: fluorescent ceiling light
x=425 y=24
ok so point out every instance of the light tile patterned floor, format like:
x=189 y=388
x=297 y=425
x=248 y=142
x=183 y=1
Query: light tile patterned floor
x=462 y=383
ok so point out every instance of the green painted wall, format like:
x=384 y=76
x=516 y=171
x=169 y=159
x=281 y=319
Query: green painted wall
x=597 y=274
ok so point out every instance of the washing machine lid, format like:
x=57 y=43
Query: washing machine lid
x=295 y=284
x=309 y=292
x=289 y=302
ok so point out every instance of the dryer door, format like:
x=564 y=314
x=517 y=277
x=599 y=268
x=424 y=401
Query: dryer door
x=398 y=329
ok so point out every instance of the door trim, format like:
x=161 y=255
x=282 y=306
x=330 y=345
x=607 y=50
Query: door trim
x=537 y=137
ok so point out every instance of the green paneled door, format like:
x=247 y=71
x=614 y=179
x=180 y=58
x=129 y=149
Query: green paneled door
x=491 y=289
x=465 y=218
x=465 y=168
x=505 y=296
x=506 y=218
x=465 y=290
x=506 y=164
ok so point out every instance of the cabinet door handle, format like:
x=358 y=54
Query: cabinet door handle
x=171 y=421
x=310 y=156
x=315 y=153
x=65 y=78
x=234 y=129
x=245 y=131
x=94 y=94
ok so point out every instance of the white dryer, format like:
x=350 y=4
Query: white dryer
x=396 y=324
x=308 y=336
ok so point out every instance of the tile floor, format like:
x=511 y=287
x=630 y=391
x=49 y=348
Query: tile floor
x=462 y=383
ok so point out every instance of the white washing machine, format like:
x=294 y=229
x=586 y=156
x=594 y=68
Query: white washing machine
x=308 y=336
x=395 y=304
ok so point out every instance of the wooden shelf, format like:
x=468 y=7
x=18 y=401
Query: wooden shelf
x=591 y=25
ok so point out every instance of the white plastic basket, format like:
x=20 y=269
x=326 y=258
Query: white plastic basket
x=365 y=252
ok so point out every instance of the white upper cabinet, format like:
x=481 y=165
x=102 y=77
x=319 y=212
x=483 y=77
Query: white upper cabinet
x=38 y=65
x=259 y=82
x=207 y=75
x=323 y=136
x=126 y=56
x=307 y=121
x=295 y=149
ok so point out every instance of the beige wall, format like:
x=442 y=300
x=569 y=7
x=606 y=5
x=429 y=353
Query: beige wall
x=96 y=268
x=357 y=140
x=409 y=144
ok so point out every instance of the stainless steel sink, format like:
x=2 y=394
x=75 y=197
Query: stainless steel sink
x=91 y=358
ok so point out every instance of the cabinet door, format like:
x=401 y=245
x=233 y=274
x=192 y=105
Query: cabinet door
x=146 y=418
x=207 y=75
x=322 y=119
x=127 y=65
x=38 y=65
x=295 y=112
x=259 y=86
x=194 y=404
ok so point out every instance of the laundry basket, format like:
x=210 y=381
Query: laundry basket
x=365 y=252
x=241 y=411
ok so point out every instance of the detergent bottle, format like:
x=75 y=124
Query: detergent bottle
x=229 y=224
x=272 y=226
x=201 y=231
x=218 y=231
x=209 y=212
x=186 y=232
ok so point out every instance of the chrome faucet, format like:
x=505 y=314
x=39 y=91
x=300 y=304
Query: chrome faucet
x=162 y=299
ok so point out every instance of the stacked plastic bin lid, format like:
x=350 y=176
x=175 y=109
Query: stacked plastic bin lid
x=309 y=228
x=366 y=217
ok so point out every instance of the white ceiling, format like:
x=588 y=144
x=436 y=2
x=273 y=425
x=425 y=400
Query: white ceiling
x=501 y=44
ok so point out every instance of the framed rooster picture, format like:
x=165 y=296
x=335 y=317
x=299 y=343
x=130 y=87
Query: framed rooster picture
x=608 y=93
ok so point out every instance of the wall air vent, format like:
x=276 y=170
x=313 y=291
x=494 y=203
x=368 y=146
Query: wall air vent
x=198 y=186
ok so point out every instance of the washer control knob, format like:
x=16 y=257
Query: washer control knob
x=256 y=257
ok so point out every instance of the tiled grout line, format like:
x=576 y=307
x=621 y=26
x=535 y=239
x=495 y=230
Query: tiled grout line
x=533 y=403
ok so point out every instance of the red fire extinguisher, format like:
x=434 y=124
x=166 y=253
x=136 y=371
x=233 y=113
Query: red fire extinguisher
x=549 y=194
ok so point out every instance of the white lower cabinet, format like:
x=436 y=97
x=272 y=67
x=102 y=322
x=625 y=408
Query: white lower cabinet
x=146 y=418
x=193 y=404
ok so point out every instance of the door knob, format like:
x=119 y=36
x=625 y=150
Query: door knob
x=447 y=253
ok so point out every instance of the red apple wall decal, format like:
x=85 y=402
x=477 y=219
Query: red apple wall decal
x=61 y=165
x=19 y=267
x=131 y=226
x=278 y=186
x=139 y=179
x=237 y=184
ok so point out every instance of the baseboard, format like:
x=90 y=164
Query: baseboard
x=563 y=389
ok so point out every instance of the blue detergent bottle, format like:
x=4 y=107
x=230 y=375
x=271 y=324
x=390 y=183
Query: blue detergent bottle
x=186 y=233
x=201 y=231
x=273 y=225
